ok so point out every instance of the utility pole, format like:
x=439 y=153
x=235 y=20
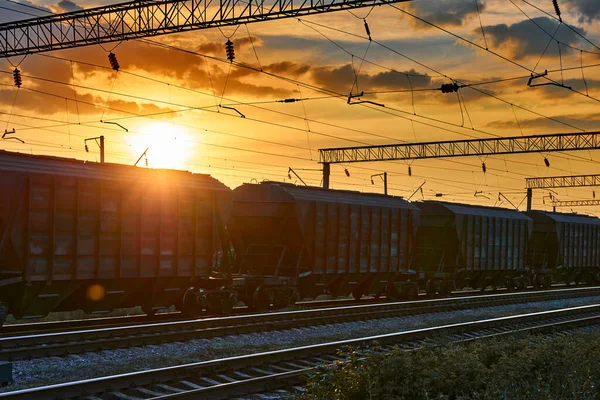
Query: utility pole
x=383 y=176
x=100 y=142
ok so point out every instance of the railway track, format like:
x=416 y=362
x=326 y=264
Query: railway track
x=64 y=343
x=29 y=328
x=175 y=316
x=39 y=327
x=237 y=376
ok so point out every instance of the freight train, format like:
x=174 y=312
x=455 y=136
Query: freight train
x=77 y=235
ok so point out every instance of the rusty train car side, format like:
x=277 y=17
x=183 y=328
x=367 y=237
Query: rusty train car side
x=99 y=236
x=467 y=245
x=566 y=246
x=291 y=238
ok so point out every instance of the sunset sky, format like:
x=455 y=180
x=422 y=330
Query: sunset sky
x=169 y=98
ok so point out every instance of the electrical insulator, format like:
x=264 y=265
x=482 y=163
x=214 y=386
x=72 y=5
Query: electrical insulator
x=146 y=161
x=112 y=59
x=546 y=162
x=409 y=171
x=449 y=87
x=346 y=172
x=87 y=149
x=594 y=194
x=557 y=9
x=17 y=76
x=483 y=167
x=229 y=50
x=439 y=194
x=367 y=29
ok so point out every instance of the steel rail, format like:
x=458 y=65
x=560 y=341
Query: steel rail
x=27 y=328
x=231 y=376
x=64 y=343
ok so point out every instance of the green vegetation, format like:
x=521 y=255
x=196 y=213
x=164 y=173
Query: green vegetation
x=509 y=368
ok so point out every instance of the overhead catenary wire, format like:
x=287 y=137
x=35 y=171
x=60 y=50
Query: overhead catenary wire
x=483 y=48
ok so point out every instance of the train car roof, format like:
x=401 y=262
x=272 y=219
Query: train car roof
x=59 y=166
x=567 y=218
x=314 y=193
x=429 y=207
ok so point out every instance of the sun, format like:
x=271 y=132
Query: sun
x=168 y=146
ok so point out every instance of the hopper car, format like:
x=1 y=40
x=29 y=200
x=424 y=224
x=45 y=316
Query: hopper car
x=296 y=241
x=564 y=247
x=77 y=235
x=462 y=245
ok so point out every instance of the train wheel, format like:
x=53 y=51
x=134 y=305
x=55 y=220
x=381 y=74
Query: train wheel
x=430 y=288
x=445 y=289
x=283 y=298
x=193 y=303
x=262 y=299
x=3 y=313
x=392 y=293
x=510 y=285
x=148 y=310
x=226 y=305
x=412 y=291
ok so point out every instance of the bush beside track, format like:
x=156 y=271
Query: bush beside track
x=510 y=368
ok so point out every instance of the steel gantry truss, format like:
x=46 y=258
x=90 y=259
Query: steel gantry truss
x=143 y=18
x=458 y=148
x=575 y=203
x=562 y=181
x=550 y=182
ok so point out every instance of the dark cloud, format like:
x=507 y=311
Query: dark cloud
x=218 y=48
x=443 y=12
x=524 y=39
x=589 y=122
x=42 y=104
x=586 y=10
x=288 y=68
x=341 y=79
x=68 y=6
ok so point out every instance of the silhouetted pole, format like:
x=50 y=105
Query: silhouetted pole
x=102 y=149
x=529 y=196
x=385 y=183
x=326 y=172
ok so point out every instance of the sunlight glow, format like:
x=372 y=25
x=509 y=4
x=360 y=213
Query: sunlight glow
x=168 y=145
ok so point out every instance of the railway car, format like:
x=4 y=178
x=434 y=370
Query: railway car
x=465 y=245
x=77 y=235
x=564 y=247
x=302 y=241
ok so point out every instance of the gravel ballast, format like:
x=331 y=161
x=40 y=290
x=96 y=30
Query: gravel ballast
x=45 y=371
